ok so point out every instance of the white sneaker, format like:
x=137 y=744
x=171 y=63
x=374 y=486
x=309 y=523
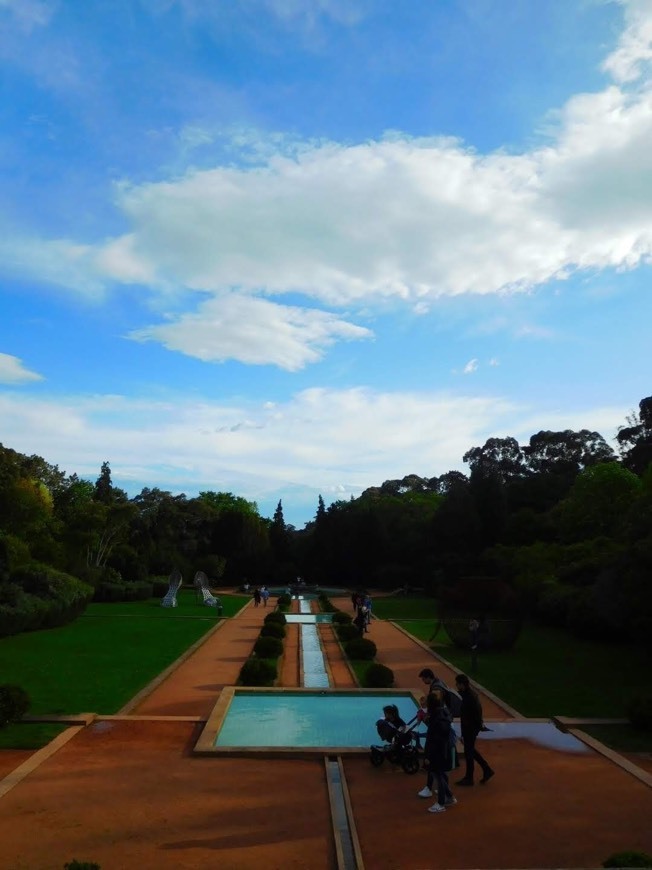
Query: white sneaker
x=425 y=792
x=436 y=808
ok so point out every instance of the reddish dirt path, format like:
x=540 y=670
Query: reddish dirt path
x=129 y=794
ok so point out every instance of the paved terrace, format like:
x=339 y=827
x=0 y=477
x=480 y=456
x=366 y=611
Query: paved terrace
x=127 y=791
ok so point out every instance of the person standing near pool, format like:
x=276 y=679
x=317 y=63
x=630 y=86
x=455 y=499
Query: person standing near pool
x=471 y=724
x=264 y=594
x=438 y=751
x=257 y=596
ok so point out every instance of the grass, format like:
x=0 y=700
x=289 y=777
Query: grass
x=549 y=672
x=100 y=661
x=622 y=738
x=405 y=607
x=29 y=735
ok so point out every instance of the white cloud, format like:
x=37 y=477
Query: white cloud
x=29 y=13
x=12 y=371
x=634 y=49
x=470 y=367
x=253 y=331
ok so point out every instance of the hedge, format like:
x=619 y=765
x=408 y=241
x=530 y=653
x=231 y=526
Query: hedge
x=268 y=647
x=14 y=703
x=273 y=629
x=275 y=616
x=378 y=676
x=360 y=649
x=39 y=596
x=258 y=672
x=347 y=632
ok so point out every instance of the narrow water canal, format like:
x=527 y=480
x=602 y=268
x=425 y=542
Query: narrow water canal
x=315 y=675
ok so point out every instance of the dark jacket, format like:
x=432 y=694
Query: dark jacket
x=437 y=748
x=470 y=712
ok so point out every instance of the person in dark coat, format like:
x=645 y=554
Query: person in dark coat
x=438 y=751
x=471 y=724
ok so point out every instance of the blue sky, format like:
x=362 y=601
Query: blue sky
x=298 y=247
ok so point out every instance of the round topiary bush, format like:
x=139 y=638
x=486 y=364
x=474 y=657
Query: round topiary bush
x=347 y=632
x=360 y=649
x=268 y=647
x=378 y=677
x=628 y=859
x=258 y=672
x=284 y=600
x=639 y=711
x=14 y=703
x=342 y=618
x=275 y=616
x=273 y=629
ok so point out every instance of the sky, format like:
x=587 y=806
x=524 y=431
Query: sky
x=285 y=248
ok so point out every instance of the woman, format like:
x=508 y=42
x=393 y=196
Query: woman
x=438 y=751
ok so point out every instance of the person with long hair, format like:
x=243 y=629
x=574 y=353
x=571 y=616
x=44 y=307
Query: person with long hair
x=438 y=751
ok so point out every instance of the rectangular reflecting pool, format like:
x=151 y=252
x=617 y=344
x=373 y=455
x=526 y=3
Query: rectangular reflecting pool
x=308 y=618
x=295 y=719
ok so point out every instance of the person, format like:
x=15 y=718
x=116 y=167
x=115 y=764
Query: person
x=264 y=594
x=360 y=620
x=367 y=604
x=394 y=725
x=438 y=752
x=354 y=601
x=257 y=596
x=432 y=682
x=471 y=724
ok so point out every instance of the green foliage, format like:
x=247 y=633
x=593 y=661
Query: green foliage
x=378 y=676
x=14 y=703
x=258 y=672
x=268 y=647
x=554 y=603
x=341 y=618
x=639 y=711
x=140 y=591
x=628 y=859
x=360 y=648
x=284 y=600
x=275 y=616
x=39 y=596
x=273 y=629
x=347 y=632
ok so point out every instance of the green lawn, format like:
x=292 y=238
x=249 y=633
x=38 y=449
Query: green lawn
x=404 y=607
x=25 y=735
x=622 y=738
x=100 y=661
x=550 y=672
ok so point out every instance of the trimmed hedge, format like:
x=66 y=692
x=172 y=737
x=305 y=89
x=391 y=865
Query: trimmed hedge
x=273 y=629
x=284 y=600
x=639 y=711
x=268 y=647
x=342 y=618
x=628 y=859
x=39 y=596
x=14 y=703
x=360 y=649
x=258 y=672
x=275 y=616
x=347 y=632
x=378 y=676
x=108 y=592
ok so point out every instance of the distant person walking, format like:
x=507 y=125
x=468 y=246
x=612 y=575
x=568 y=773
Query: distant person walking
x=264 y=594
x=471 y=724
x=257 y=596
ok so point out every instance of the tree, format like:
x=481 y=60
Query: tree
x=501 y=457
x=566 y=453
x=598 y=503
x=635 y=439
x=278 y=535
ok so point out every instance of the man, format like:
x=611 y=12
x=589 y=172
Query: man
x=452 y=699
x=471 y=725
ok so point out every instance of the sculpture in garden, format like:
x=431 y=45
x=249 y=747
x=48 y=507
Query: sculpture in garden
x=170 y=597
x=201 y=587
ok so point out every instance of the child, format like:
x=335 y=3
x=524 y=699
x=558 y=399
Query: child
x=392 y=726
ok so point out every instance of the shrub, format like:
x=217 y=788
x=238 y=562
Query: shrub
x=347 y=632
x=273 y=629
x=378 y=677
x=360 y=649
x=342 y=618
x=40 y=597
x=268 y=647
x=14 y=703
x=628 y=859
x=258 y=672
x=275 y=616
x=81 y=865
x=639 y=711
x=284 y=600
x=160 y=586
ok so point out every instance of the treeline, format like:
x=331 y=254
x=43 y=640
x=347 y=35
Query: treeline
x=560 y=526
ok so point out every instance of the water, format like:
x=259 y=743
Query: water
x=308 y=618
x=315 y=675
x=306 y=719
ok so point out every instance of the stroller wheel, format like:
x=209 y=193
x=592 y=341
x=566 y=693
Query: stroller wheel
x=376 y=757
x=411 y=763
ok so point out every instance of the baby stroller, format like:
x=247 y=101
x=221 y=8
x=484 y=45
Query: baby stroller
x=400 y=747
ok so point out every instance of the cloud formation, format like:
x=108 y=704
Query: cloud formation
x=12 y=371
